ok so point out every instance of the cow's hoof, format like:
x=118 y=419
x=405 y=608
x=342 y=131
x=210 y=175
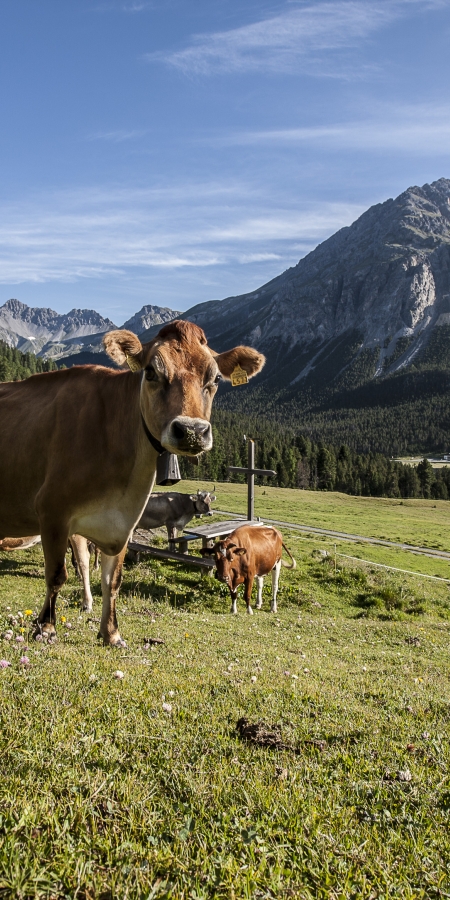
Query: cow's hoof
x=114 y=641
x=87 y=609
x=249 y=610
x=46 y=630
x=258 y=606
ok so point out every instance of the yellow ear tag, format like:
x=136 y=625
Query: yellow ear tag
x=238 y=376
x=132 y=364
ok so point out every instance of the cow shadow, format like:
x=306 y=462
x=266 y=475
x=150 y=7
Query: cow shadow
x=181 y=589
x=18 y=567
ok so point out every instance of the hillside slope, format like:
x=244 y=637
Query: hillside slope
x=357 y=334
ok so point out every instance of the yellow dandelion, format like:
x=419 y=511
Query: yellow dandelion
x=63 y=619
x=186 y=634
x=28 y=612
x=21 y=630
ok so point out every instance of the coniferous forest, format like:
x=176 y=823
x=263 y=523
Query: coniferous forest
x=15 y=366
x=312 y=465
x=299 y=460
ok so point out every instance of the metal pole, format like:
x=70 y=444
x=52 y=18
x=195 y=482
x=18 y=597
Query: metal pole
x=251 y=481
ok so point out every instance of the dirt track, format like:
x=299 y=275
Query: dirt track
x=344 y=536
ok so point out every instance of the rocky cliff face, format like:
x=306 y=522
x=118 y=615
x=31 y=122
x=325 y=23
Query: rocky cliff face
x=49 y=334
x=45 y=332
x=149 y=316
x=384 y=279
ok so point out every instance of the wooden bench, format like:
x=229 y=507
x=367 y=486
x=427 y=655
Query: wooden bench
x=208 y=534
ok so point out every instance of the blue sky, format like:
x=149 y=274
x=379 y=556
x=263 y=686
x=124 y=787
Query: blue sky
x=175 y=151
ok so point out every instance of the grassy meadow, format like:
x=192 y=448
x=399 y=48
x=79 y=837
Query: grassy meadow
x=422 y=523
x=141 y=787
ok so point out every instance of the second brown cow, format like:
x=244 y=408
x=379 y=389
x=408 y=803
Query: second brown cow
x=247 y=553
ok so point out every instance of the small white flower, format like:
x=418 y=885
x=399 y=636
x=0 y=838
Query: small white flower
x=167 y=707
x=253 y=678
x=287 y=673
x=171 y=693
x=425 y=735
x=295 y=676
x=118 y=674
x=306 y=671
x=94 y=677
x=404 y=775
x=364 y=668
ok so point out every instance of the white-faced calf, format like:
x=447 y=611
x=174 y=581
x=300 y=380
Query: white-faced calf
x=247 y=553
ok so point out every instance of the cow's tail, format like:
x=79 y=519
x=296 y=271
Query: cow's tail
x=286 y=565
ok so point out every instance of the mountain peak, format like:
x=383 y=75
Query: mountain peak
x=149 y=316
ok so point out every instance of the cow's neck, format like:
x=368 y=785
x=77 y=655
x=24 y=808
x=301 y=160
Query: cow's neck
x=154 y=442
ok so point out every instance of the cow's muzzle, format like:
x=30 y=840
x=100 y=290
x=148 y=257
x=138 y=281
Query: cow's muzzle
x=187 y=436
x=224 y=578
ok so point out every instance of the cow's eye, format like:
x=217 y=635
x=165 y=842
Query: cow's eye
x=150 y=374
x=218 y=378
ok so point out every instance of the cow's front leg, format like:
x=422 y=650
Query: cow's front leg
x=54 y=544
x=111 y=581
x=260 y=583
x=80 y=548
x=275 y=578
x=248 y=586
x=233 y=602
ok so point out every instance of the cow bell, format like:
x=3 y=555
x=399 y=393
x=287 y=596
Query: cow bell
x=167 y=469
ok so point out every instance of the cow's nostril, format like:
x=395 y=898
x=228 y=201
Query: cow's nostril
x=202 y=428
x=179 y=431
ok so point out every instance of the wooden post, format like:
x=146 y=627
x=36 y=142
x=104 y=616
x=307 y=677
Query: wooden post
x=251 y=481
x=250 y=472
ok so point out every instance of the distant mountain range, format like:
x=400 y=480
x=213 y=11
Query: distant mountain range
x=362 y=323
x=60 y=337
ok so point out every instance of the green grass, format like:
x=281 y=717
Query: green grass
x=105 y=795
x=419 y=522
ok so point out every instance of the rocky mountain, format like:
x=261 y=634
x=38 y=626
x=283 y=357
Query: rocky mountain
x=150 y=316
x=382 y=283
x=357 y=334
x=54 y=336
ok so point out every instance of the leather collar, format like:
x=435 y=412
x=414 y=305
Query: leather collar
x=155 y=444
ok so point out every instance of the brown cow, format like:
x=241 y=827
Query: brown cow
x=78 y=447
x=248 y=552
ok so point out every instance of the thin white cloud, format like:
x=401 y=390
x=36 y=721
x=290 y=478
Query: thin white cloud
x=293 y=40
x=97 y=234
x=421 y=130
x=117 y=136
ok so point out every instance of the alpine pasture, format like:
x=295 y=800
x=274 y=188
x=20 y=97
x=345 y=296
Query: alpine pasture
x=141 y=787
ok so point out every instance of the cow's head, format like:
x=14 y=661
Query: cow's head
x=230 y=562
x=180 y=376
x=202 y=503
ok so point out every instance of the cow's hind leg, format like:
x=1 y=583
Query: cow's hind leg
x=111 y=581
x=54 y=545
x=80 y=548
x=260 y=583
x=233 y=602
x=275 y=580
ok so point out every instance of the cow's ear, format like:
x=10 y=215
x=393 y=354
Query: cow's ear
x=207 y=551
x=246 y=357
x=240 y=551
x=124 y=348
x=193 y=497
